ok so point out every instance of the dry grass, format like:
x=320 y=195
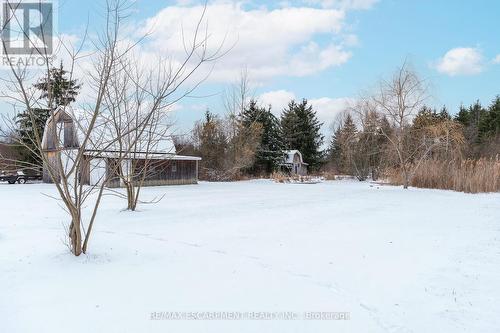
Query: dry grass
x=470 y=176
x=280 y=177
x=328 y=175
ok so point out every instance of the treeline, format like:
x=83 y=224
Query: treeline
x=252 y=141
x=394 y=135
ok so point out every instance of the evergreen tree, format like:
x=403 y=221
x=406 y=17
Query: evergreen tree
x=31 y=125
x=301 y=131
x=477 y=112
x=371 y=145
x=349 y=129
x=463 y=116
x=348 y=139
x=444 y=114
x=63 y=90
x=471 y=119
x=270 y=150
x=335 y=148
x=489 y=125
x=427 y=117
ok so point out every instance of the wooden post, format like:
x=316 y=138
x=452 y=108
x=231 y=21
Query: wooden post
x=196 y=171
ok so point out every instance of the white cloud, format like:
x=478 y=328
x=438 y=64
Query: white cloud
x=461 y=61
x=268 y=42
x=345 y=4
x=278 y=99
x=497 y=59
x=327 y=108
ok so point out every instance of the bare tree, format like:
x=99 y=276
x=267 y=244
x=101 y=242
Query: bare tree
x=74 y=137
x=61 y=164
x=399 y=99
x=139 y=101
x=238 y=95
x=226 y=148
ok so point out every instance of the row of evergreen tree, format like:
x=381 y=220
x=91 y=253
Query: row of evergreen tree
x=481 y=128
x=297 y=128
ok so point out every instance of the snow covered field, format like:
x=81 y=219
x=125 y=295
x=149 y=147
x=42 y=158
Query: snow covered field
x=395 y=260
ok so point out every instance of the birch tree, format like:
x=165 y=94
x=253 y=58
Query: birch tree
x=399 y=99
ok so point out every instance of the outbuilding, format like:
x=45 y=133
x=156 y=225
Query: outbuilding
x=159 y=165
x=293 y=163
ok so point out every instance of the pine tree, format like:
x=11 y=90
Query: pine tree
x=31 y=124
x=301 y=131
x=348 y=139
x=463 y=116
x=63 y=90
x=371 y=145
x=269 y=152
x=489 y=125
x=335 y=148
x=349 y=129
x=444 y=114
x=477 y=112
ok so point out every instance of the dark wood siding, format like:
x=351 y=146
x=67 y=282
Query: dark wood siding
x=113 y=171
x=85 y=171
x=70 y=139
x=165 y=172
x=52 y=158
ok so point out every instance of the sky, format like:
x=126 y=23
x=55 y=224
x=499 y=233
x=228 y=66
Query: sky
x=327 y=51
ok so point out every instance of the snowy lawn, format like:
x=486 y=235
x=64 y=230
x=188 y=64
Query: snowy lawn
x=397 y=261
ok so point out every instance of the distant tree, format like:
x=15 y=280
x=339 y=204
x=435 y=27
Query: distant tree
x=348 y=139
x=56 y=89
x=334 y=151
x=301 y=130
x=270 y=150
x=360 y=150
x=444 y=114
x=463 y=116
x=211 y=143
x=489 y=124
x=371 y=145
x=427 y=116
x=399 y=99
x=63 y=89
x=428 y=123
x=29 y=126
x=242 y=148
x=471 y=119
x=226 y=146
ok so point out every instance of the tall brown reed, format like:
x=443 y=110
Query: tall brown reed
x=470 y=176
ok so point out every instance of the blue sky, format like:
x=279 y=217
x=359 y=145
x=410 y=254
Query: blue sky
x=342 y=48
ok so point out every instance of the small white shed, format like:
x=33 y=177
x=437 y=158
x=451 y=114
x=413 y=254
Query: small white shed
x=293 y=163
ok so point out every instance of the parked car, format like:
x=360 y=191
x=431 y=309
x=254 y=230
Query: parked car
x=19 y=176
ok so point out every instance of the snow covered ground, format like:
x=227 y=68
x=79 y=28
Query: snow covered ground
x=395 y=260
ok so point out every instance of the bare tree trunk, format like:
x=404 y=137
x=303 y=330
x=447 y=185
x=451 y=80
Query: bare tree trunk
x=75 y=232
x=406 y=177
x=131 y=197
